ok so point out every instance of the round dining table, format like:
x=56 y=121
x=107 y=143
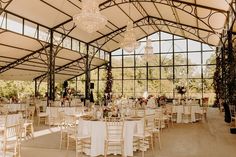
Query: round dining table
x=97 y=131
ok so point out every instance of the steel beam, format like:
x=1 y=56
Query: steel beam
x=84 y=73
x=144 y=21
x=21 y=60
x=57 y=70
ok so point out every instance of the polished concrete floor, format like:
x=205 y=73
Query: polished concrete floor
x=209 y=138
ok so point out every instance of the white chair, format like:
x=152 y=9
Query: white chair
x=172 y=115
x=151 y=102
x=114 y=134
x=10 y=141
x=157 y=129
x=146 y=136
x=28 y=122
x=187 y=114
x=41 y=116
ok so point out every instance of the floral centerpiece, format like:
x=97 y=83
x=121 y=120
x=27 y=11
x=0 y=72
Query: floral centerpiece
x=111 y=110
x=181 y=90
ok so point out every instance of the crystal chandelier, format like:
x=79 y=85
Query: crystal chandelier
x=90 y=19
x=129 y=42
x=148 y=51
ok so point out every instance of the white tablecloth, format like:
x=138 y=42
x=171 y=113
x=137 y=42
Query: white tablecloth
x=15 y=107
x=11 y=119
x=97 y=130
x=53 y=112
x=180 y=110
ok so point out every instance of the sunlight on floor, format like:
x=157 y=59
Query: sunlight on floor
x=46 y=131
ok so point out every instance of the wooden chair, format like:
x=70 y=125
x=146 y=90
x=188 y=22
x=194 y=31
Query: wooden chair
x=205 y=107
x=81 y=141
x=157 y=128
x=11 y=140
x=72 y=136
x=4 y=110
x=114 y=134
x=145 y=138
x=186 y=113
x=41 y=116
x=28 y=123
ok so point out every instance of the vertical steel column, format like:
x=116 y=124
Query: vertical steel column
x=110 y=69
x=87 y=76
x=35 y=88
x=76 y=85
x=51 y=71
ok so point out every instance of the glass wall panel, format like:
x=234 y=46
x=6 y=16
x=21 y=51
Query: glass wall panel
x=194 y=71
x=166 y=36
x=117 y=52
x=154 y=73
x=116 y=61
x=155 y=61
x=128 y=61
x=194 y=58
x=195 y=85
x=128 y=87
x=30 y=29
x=180 y=71
x=180 y=58
x=167 y=59
x=140 y=73
x=208 y=71
x=167 y=87
x=154 y=86
x=94 y=74
x=139 y=60
x=167 y=72
x=102 y=85
x=117 y=73
x=156 y=46
x=128 y=73
x=206 y=47
x=75 y=45
x=117 y=87
x=209 y=57
x=154 y=36
x=194 y=45
x=179 y=62
x=102 y=74
x=208 y=86
x=14 y=23
x=180 y=46
x=166 y=46
x=140 y=87
x=140 y=50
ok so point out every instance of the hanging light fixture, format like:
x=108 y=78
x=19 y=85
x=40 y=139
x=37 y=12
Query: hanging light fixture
x=129 y=43
x=148 y=55
x=90 y=19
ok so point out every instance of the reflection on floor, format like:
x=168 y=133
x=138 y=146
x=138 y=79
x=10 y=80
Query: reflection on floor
x=203 y=139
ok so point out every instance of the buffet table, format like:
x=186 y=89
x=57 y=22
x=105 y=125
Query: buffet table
x=92 y=128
